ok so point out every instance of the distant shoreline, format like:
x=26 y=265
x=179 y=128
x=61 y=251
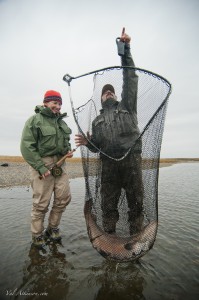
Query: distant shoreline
x=14 y=171
x=18 y=159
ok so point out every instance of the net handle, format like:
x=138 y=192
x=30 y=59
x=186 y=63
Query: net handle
x=68 y=78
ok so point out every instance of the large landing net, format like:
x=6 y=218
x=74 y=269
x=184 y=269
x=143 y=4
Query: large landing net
x=126 y=230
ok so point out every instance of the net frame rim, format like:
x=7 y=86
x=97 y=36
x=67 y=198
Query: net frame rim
x=67 y=78
x=96 y=72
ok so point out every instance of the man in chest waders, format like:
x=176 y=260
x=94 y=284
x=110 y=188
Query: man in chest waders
x=115 y=132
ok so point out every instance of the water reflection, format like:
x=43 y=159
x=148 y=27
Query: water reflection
x=45 y=274
x=112 y=281
x=119 y=281
x=75 y=271
x=48 y=275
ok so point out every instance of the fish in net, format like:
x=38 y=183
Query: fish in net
x=121 y=158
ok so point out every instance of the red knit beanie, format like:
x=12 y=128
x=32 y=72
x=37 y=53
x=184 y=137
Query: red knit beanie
x=52 y=96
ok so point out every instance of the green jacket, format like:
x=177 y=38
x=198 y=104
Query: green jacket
x=44 y=134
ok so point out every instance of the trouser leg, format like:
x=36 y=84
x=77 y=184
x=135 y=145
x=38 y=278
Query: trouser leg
x=110 y=194
x=42 y=192
x=62 y=198
x=134 y=193
x=110 y=197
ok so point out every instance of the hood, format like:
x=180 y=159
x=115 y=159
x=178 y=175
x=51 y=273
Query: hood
x=48 y=112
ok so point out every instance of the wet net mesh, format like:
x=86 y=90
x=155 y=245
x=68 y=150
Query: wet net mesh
x=127 y=242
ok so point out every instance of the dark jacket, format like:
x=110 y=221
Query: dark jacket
x=116 y=130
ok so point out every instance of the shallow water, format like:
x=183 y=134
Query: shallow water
x=75 y=271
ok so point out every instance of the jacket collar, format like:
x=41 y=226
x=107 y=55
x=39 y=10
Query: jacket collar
x=109 y=104
x=46 y=111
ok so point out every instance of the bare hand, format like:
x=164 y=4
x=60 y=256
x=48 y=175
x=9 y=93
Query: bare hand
x=70 y=154
x=46 y=174
x=81 y=140
x=125 y=37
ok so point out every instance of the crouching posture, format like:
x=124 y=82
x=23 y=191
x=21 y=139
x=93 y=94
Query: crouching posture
x=45 y=139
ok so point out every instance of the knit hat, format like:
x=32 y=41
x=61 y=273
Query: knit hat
x=52 y=96
x=107 y=87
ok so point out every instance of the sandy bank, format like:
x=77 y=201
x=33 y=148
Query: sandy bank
x=17 y=172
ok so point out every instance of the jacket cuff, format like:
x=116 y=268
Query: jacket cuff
x=127 y=46
x=91 y=148
x=42 y=170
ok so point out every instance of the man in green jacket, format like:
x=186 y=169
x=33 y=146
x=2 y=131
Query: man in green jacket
x=45 y=139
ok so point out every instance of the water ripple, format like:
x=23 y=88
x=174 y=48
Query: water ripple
x=74 y=270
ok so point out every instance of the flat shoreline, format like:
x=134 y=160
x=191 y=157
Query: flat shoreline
x=16 y=170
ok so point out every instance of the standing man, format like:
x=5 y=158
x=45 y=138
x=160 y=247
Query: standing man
x=115 y=132
x=45 y=139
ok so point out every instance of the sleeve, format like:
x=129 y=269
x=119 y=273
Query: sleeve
x=130 y=82
x=66 y=135
x=28 y=147
x=93 y=140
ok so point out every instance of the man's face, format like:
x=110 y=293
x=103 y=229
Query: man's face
x=107 y=95
x=55 y=106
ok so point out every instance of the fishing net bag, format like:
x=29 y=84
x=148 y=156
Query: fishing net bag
x=153 y=92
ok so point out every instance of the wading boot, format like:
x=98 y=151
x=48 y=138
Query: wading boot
x=38 y=241
x=53 y=234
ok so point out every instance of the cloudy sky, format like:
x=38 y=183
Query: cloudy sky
x=41 y=40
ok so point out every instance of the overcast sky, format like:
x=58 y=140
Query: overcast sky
x=41 y=40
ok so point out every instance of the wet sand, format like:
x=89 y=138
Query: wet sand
x=17 y=171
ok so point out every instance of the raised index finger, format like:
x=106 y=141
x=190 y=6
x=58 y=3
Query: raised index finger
x=123 y=31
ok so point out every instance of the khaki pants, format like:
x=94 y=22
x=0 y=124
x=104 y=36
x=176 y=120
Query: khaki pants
x=43 y=189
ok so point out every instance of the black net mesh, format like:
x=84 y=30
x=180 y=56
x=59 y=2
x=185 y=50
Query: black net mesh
x=121 y=201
